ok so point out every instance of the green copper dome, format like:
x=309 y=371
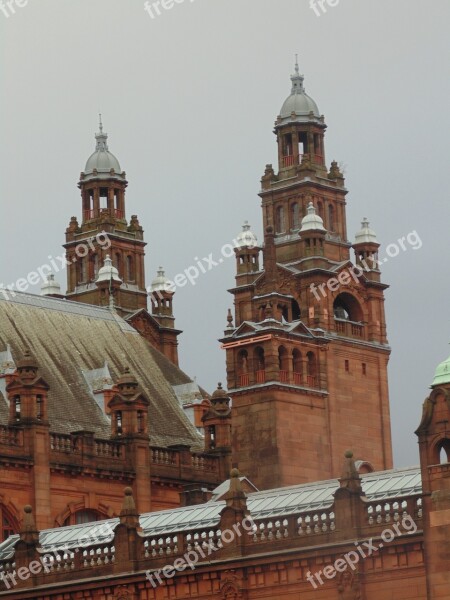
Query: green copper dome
x=442 y=374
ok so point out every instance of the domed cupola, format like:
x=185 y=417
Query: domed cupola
x=247 y=252
x=300 y=131
x=312 y=221
x=161 y=283
x=246 y=238
x=442 y=374
x=102 y=164
x=312 y=233
x=298 y=107
x=366 y=247
x=108 y=273
x=366 y=235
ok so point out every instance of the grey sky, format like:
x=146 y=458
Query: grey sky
x=189 y=100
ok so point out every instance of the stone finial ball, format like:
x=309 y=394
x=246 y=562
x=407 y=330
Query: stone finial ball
x=128 y=491
x=28 y=509
x=234 y=473
x=348 y=454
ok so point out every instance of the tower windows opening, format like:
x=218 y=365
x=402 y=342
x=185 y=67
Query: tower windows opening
x=94 y=266
x=259 y=365
x=280 y=226
x=103 y=198
x=242 y=366
x=311 y=369
x=287 y=145
x=295 y=216
x=81 y=269
x=302 y=143
x=331 y=217
x=442 y=452
x=347 y=308
x=118 y=262
x=320 y=209
x=295 y=311
x=130 y=268
x=297 y=367
x=347 y=366
x=283 y=364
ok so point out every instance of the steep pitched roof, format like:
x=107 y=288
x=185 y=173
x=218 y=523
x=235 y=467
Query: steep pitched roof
x=67 y=338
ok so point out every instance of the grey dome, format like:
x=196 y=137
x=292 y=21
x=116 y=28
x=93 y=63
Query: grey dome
x=298 y=102
x=102 y=164
x=366 y=235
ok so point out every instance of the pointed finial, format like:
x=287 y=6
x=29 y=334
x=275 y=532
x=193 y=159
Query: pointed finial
x=129 y=515
x=28 y=531
x=297 y=70
x=100 y=122
x=230 y=319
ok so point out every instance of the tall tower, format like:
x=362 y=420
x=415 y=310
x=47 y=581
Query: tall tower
x=103 y=185
x=307 y=354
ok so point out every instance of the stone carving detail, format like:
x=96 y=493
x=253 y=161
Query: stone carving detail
x=348 y=586
x=124 y=593
x=230 y=588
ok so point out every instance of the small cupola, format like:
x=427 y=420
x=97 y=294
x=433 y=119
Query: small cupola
x=246 y=238
x=108 y=273
x=129 y=408
x=366 y=247
x=312 y=221
x=51 y=287
x=366 y=235
x=247 y=251
x=442 y=373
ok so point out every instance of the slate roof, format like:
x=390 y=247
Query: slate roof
x=382 y=485
x=67 y=338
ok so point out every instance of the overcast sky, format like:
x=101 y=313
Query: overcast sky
x=189 y=99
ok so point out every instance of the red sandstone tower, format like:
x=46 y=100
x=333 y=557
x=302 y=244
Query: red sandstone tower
x=307 y=355
x=105 y=255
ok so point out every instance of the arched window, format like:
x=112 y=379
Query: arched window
x=311 y=369
x=280 y=226
x=242 y=368
x=283 y=364
x=259 y=365
x=130 y=268
x=346 y=307
x=118 y=262
x=330 y=217
x=443 y=452
x=320 y=209
x=83 y=516
x=295 y=310
x=297 y=367
x=295 y=216
x=94 y=267
x=82 y=271
x=8 y=525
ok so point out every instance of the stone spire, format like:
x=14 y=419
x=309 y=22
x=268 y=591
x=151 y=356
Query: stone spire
x=297 y=79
